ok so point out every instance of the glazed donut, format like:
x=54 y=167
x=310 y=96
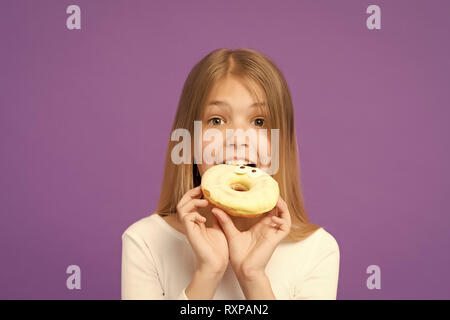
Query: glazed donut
x=240 y=190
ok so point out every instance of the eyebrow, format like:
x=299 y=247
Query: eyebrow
x=226 y=104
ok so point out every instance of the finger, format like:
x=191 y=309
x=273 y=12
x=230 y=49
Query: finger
x=278 y=220
x=281 y=204
x=284 y=215
x=190 y=218
x=272 y=213
x=190 y=207
x=193 y=193
x=279 y=223
x=214 y=223
x=283 y=209
x=267 y=217
x=194 y=203
x=226 y=223
x=200 y=218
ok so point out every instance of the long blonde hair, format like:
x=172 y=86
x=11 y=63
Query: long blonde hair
x=252 y=68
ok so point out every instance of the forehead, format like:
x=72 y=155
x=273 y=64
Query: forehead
x=233 y=92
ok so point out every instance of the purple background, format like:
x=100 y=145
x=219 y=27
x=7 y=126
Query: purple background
x=86 y=114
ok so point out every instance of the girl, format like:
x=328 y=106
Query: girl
x=188 y=249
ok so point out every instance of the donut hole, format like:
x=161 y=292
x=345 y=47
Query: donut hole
x=239 y=187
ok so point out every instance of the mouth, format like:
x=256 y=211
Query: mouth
x=240 y=163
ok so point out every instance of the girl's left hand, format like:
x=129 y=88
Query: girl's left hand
x=250 y=250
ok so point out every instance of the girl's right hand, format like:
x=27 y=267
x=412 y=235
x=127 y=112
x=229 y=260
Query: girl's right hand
x=209 y=244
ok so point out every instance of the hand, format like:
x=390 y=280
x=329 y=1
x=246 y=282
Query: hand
x=209 y=244
x=250 y=250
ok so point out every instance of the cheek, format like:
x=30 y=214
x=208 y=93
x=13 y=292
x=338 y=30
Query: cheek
x=264 y=146
x=212 y=147
x=205 y=145
x=208 y=144
x=268 y=147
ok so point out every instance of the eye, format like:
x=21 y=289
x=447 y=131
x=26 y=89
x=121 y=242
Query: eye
x=259 y=122
x=255 y=172
x=215 y=121
x=241 y=169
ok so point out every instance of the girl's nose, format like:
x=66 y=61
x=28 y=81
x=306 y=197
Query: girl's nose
x=237 y=138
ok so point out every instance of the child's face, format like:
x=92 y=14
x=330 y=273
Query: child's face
x=233 y=108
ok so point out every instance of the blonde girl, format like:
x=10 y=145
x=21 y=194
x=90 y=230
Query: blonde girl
x=187 y=249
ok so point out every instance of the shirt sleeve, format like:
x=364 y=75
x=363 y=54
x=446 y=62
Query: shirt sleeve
x=140 y=279
x=321 y=280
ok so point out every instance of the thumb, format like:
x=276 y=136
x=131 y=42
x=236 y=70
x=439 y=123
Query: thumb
x=225 y=221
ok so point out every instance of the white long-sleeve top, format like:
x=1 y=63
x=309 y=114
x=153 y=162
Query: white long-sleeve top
x=158 y=263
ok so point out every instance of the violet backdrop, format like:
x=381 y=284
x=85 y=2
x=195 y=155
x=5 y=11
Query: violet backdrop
x=86 y=115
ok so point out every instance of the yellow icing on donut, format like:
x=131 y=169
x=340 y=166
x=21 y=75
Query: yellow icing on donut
x=240 y=193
